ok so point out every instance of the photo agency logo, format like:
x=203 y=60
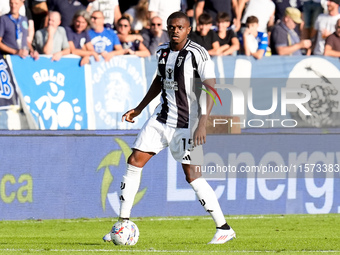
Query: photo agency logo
x=210 y=94
x=259 y=103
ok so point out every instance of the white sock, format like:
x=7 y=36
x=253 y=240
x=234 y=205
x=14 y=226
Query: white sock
x=208 y=200
x=129 y=187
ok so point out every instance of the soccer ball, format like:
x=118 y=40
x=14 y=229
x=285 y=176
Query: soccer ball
x=124 y=233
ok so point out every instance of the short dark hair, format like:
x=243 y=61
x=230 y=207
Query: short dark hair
x=178 y=15
x=205 y=18
x=252 y=19
x=222 y=17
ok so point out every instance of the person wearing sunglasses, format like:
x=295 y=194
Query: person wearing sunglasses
x=104 y=40
x=154 y=36
x=109 y=8
x=132 y=44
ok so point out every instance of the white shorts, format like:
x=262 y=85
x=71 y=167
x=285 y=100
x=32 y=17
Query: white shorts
x=155 y=136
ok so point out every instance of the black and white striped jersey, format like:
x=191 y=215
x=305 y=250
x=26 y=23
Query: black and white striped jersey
x=179 y=99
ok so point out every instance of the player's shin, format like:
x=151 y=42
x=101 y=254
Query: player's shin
x=208 y=200
x=129 y=188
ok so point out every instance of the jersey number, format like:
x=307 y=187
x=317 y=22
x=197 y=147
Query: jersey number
x=188 y=146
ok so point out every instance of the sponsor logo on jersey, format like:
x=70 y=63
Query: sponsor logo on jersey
x=173 y=85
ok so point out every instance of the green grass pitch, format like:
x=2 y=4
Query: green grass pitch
x=256 y=234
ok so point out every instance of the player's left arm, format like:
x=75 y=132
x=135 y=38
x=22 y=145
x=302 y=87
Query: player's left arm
x=200 y=133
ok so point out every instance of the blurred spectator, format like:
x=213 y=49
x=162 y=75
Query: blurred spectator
x=311 y=10
x=229 y=43
x=14 y=32
x=212 y=7
x=163 y=9
x=67 y=9
x=325 y=25
x=280 y=7
x=52 y=39
x=154 y=36
x=104 y=40
x=284 y=40
x=79 y=39
x=255 y=43
x=110 y=9
x=139 y=15
x=264 y=10
x=131 y=43
x=332 y=46
x=204 y=36
x=23 y=11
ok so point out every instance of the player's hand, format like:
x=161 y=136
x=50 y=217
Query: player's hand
x=129 y=115
x=200 y=135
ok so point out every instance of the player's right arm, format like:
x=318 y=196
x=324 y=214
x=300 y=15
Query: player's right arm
x=154 y=90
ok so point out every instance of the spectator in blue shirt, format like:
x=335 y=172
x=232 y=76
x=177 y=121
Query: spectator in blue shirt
x=254 y=43
x=104 y=40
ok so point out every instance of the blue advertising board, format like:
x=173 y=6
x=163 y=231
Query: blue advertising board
x=72 y=175
x=117 y=86
x=54 y=92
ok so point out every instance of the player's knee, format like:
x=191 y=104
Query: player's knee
x=133 y=160
x=138 y=159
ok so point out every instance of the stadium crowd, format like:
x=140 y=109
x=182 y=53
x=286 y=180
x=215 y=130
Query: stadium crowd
x=224 y=27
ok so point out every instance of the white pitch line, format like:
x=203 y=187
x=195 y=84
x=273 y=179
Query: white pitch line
x=170 y=218
x=159 y=251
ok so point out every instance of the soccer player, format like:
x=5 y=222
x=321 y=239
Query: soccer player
x=179 y=61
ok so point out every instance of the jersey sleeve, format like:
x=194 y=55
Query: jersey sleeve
x=205 y=66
